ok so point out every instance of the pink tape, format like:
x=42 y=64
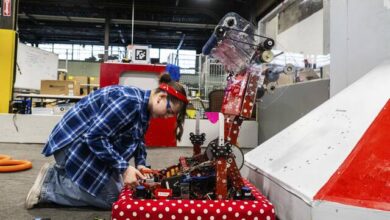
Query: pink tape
x=212 y=116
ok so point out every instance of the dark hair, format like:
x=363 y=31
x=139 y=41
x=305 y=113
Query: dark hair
x=165 y=78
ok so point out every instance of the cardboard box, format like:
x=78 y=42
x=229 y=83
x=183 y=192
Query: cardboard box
x=62 y=74
x=94 y=84
x=94 y=81
x=83 y=81
x=60 y=87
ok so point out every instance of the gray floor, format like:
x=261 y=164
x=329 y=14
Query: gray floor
x=14 y=186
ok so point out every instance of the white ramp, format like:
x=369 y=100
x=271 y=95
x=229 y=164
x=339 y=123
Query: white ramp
x=316 y=168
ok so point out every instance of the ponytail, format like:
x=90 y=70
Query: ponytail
x=166 y=79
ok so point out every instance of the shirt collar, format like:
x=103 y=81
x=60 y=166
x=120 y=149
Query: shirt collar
x=145 y=112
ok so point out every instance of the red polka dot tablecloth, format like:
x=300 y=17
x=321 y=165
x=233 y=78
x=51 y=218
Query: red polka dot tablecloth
x=127 y=208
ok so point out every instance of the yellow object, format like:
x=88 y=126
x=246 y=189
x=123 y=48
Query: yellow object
x=7 y=66
x=191 y=113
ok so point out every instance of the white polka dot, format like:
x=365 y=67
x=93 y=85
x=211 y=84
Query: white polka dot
x=173 y=204
x=218 y=210
x=134 y=214
x=203 y=201
x=167 y=209
x=160 y=203
x=185 y=205
x=265 y=205
x=261 y=211
x=136 y=203
x=192 y=211
x=211 y=217
x=123 y=197
x=141 y=208
x=198 y=205
x=127 y=219
x=205 y=211
x=173 y=217
x=128 y=206
x=241 y=207
x=192 y=201
x=121 y=213
x=160 y=215
x=114 y=219
x=246 y=203
x=237 y=214
x=273 y=210
x=249 y=213
x=148 y=204
x=211 y=205
x=185 y=217
x=254 y=206
x=178 y=201
x=147 y=215
x=179 y=210
x=116 y=206
x=268 y=218
x=224 y=217
x=255 y=218
x=230 y=209
x=199 y=218
x=154 y=209
x=234 y=203
x=222 y=204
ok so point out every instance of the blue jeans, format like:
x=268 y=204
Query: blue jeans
x=58 y=187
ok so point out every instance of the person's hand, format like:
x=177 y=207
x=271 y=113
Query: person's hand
x=131 y=175
x=148 y=173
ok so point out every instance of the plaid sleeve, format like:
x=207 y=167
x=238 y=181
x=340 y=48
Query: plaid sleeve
x=140 y=155
x=113 y=115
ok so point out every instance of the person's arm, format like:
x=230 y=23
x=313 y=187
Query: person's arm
x=140 y=155
x=113 y=115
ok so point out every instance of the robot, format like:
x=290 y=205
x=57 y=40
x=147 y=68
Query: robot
x=215 y=174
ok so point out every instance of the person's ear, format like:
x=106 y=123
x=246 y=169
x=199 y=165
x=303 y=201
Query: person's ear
x=160 y=96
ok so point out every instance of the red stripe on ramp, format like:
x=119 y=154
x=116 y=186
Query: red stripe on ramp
x=364 y=178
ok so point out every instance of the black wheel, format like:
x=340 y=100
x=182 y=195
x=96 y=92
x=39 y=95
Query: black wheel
x=237 y=153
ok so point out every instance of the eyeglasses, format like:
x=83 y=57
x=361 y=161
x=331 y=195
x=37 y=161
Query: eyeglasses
x=169 y=108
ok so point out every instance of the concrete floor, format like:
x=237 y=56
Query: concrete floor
x=14 y=186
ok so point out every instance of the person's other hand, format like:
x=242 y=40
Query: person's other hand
x=131 y=175
x=148 y=173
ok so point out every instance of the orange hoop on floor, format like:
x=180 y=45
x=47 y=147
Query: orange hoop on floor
x=8 y=165
x=4 y=157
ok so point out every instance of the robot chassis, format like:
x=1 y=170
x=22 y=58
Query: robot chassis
x=215 y=173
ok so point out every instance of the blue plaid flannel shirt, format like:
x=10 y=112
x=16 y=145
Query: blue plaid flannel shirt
x=103 y=131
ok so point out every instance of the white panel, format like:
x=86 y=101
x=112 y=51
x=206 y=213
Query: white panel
x=328 y=210
x=301 y=158
x=34 y=65
x=359 y=39
x=304 y=37
x=142 y=80
x=26 y=128
x=293 y=205
x=247 y=137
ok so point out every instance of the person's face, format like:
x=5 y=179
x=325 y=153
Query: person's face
x=163 y=108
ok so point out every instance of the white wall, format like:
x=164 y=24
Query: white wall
x=359 y=39
x=36 y=129
x=305 y=36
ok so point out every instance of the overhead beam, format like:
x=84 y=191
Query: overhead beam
x=116 y=21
